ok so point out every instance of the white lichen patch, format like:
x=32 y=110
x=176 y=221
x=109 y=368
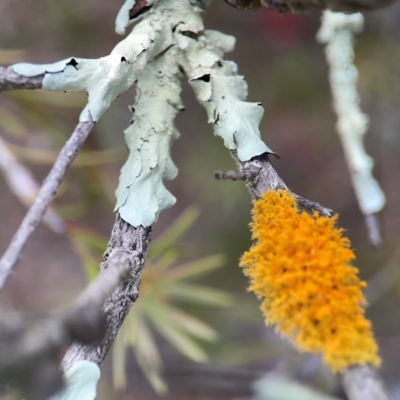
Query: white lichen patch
x=223 y=93
x=141 y=194
x=81 y=382
x=337 y=32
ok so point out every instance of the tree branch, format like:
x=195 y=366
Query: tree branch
x=31 y=345
x=10 y=80
x=305 y=6
x=260 y=176
x=85 y=319
x=362 y=382
x=359 y=381
x=132 y=243
x=22 y=183
x=46 y=193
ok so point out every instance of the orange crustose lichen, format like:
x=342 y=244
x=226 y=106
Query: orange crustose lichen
x=299 y=266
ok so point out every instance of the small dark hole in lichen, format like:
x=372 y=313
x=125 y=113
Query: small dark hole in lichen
x=204 y=78
x=190 y=34
x=73 y=63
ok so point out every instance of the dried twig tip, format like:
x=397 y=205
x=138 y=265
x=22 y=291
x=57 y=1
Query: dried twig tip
x=234 y=176
x=313 y=206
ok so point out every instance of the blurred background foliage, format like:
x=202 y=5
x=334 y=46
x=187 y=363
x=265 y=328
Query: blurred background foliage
x=286 y=70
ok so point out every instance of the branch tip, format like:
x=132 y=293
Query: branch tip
x=234 y=176
x=313 y=206
x=373 y=230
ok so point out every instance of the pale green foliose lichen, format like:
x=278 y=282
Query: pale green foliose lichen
x=223 y=92
x=141 y=194
x=337 y=32
x=80 y=382
x=106 y=78
x=169 y=35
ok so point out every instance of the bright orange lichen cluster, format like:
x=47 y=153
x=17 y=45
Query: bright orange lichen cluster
x=300 y=267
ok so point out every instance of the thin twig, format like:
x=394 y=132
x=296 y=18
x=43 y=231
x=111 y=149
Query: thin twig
x=362 y=382
x=22 y=183
x=312 y=206
x=10 y=80
x=306 y=6
x=232 y=175
x=47 y=191
x=374 y=234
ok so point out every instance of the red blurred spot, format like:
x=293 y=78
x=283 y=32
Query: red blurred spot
x=282 y=30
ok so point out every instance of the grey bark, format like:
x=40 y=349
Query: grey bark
x=10 y=80
x=373 y=230
x=46 y=193
x=260 y=176
x=362 y=382
x=31 y=346
x=130 y=242
x=304 y=6
x=85 y=319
